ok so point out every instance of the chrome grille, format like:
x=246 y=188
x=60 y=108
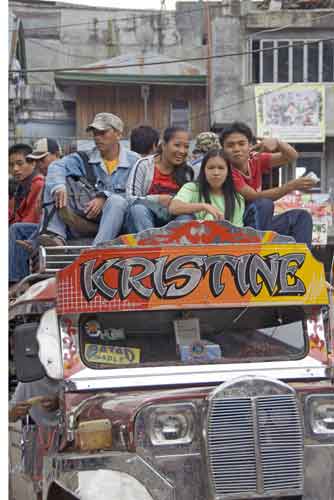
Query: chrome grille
x=231 y=446
x=49 y=260
x=255 y=445
x=280 y=441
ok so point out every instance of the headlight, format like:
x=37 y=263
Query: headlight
x=320 y=409
x=48 y=338
x=171 y=424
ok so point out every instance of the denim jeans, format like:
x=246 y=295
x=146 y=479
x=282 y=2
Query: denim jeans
x=140 y=217
x=296 y=223
x=110 y=221
x=18 y=256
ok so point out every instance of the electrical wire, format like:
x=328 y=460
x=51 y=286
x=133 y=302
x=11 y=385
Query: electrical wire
x=194 y=117
x=286 y=26
x=53 y=49
x=237 y=103
x=121 y=19
x=172 y=61
x=148 y=16
x=79 y=56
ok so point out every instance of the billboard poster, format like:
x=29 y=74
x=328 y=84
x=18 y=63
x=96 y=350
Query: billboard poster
x=293 y=113
x=319 y=206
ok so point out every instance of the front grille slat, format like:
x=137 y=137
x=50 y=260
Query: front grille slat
x=228 y=419
x=237 y=427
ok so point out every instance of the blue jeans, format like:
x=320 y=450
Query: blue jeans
x=296 y=223
x=110 y=221
x=112 y=218
x=140 y=217
x=18 y=256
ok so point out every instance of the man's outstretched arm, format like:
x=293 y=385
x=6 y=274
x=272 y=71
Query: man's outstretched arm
x=301 y=184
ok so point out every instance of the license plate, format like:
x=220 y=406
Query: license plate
x=112 y=355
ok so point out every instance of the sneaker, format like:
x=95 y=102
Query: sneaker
x=51 y=240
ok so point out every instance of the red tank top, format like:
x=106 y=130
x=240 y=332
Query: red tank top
x=163 y=184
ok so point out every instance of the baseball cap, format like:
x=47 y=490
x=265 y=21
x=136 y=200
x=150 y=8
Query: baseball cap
x=43 y=147
x=206 y=141
x=104 y=121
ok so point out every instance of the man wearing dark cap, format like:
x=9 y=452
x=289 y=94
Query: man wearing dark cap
x=104 y=214
x=45 y=151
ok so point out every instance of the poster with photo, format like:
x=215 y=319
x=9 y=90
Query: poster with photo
x=294 y=113
x=318 y=204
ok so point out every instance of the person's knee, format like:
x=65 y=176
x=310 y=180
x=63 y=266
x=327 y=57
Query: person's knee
x=115 y=202
x=305 y=218
x=264 y=204
x=137 y=210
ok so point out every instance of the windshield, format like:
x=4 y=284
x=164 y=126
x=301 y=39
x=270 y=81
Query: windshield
x=112 y=340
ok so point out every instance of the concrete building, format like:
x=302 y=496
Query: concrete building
x=60 y=36
x=267 y=38
x=278 y=51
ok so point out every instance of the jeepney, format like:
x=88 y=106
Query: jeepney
x=195 y=362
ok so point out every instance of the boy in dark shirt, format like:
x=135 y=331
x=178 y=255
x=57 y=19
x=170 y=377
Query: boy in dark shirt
x=23 y=205
x=24 y=212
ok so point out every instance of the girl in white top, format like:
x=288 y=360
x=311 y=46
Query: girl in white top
x=213 y=195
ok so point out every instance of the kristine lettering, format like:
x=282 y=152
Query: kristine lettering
x=179 y=277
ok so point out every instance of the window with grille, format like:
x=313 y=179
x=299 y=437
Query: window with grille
x=279 y=61
x=180 y=114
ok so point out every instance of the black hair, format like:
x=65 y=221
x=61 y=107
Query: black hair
x=143 y=139
x=238 y=127
x=184 y=173
x=228 y=188
x=23 y=149
x=12 y=185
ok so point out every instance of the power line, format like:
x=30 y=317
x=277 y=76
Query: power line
x=237 y=103
x=147 y=16
x=204 y=113
x=58 y=51
x=129 y=18
x=53 y=49
x=286 y=26
x=172 y=61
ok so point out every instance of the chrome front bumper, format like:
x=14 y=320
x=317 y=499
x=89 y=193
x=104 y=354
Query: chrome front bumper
x=107 y=476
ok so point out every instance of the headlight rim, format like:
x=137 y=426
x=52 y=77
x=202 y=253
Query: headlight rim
x=309 y=399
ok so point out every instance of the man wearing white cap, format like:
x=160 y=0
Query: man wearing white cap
x=104 y=214
x=45 y=151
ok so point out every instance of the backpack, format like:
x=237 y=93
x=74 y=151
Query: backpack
x=81 y=189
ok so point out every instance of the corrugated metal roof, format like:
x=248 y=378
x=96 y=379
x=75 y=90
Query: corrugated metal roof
x=167 y=72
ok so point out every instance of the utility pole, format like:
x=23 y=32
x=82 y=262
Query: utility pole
x=209 y=54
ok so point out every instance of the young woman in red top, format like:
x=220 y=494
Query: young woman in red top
x=154 y=181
